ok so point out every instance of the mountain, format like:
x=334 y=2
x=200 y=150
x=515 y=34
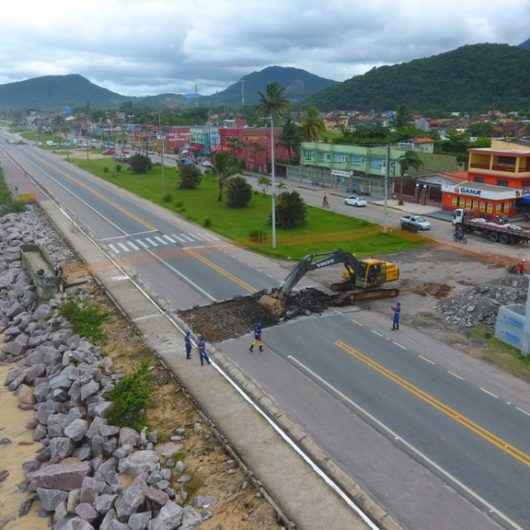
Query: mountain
x=471 y=78
x=53 y=92
x=298 y=83
x=525 y=44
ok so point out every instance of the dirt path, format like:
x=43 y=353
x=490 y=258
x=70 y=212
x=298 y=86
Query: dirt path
x=12 y=455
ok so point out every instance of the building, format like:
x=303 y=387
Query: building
x=205 y=139
x=421 y=144
x=177 y=138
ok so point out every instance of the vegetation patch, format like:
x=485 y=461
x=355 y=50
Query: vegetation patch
x=87 y=320
x=131 y=397
x=7 y=203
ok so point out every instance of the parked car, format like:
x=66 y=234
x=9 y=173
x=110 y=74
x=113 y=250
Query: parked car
x=109 y=151
x=206 y=163
x=355 y=200
x=415 y=223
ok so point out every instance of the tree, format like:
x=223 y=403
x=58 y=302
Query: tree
x=238 y=192
x=291 y=210
x=225 y=165
x=403 y=117
x=140 y=163
x=273 y=102
x=312 y=124
x=410 y=160
x=481 y=128
x=190 y=176
x=291 y=137
x=264 y=182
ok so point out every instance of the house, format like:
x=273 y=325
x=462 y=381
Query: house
x=423 y=144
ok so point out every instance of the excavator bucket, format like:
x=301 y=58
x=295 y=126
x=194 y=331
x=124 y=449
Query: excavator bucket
x=274 y=306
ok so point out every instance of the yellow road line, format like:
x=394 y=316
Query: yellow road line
x=223 y=272
x=456 y=416
x=98 y=194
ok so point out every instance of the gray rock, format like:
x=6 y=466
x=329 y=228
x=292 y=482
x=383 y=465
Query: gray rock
x=83 y=452
x=39 y=432
x=99 y=408
x=116 y=525
x=169 y=518
x=139 y=521
x=60 y=448
x=25 y=397
x=162 y=484
x=41 y=391
x=203 y=501
x=168 y=449
x=86 y=512
x=51 y=498
x=89 y=389
x=159 y=497
x=131 y=499
x=140 y=462
x=74 y=497
x=45 y=410
x=76 y=430
x=129 y=437
x=56 y=424
x=103 y=503
x=90 y=488
x=60 y=514
x=66 y=475
x=107 y=472
x=190 y=519
x=109 y=518
x=76 y=524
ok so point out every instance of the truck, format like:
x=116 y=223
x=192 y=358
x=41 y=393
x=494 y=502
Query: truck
x=507 y=233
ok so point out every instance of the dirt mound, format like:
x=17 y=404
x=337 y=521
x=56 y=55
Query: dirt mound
x=438 y=290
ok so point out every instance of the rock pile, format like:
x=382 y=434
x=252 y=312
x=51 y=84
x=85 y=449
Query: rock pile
x=88 y=474
x=479 y=305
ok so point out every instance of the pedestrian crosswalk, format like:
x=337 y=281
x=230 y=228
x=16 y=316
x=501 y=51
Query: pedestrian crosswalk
x=135 y=244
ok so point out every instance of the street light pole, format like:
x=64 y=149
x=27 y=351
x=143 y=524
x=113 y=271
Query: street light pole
x=162 y=173
x=387 y=175
x=273 y=184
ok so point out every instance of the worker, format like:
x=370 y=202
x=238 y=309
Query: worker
x=397 y=315
x=325 y=203
x=187 y=344
x=257 y=337
x=521 y=266
x=201 y=347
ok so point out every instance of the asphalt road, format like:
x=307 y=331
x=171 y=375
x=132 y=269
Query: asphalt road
x=402 y=427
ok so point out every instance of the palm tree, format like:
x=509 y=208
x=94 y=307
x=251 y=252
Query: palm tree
x=312 y=124
x=225 y=165
x=409 y=160
x=291 y=137
x=272 y=104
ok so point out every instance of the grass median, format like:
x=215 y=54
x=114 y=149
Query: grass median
x=324 y=230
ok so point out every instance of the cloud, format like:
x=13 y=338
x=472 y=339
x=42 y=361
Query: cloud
x=142 y=47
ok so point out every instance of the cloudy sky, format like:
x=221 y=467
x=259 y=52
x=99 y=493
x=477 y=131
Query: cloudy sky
x=140 y=47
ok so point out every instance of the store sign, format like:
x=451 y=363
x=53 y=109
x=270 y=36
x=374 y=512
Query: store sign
x=339 y=173
x=470 y=191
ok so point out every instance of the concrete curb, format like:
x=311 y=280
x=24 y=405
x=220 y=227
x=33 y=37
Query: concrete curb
x=362 y=498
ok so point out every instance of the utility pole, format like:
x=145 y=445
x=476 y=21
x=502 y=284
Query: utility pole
x=525 y=343
x=273 y=184
x=162 y=173
x=387 y=175
x=242 y=92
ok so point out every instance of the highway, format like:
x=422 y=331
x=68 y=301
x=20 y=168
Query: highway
x=437 y=451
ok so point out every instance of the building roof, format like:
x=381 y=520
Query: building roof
x=485 y=187
x=500 y=152
x=423 y=140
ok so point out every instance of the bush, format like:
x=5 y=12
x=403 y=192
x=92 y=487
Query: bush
x=118 y=168
x=167 y=197
x=130 y=397
x=140 y=163
x=257 y=236
x=238 y=192
x=290 y=210
x=179 y=204
x=207 y=223
x=105 y=169
x=190 y=177
x=86 y=319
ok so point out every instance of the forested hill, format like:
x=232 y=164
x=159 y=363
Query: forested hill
x=471 y=78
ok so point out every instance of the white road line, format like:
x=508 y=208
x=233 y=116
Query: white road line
x=376 y=333
x=151 y=242
x=170 y=239
x=485 y=504
x=147 y=317
x=455 y=375
x=128 y=235
x=523 y=411
x=124 y=247
x=132 y=245
x=198 y=236
x=140 y=242
x=114 y=249
x=356 y=322
x=425 y=359
x=188 y=238
x=179 y=238
x=160 y=240
x=212 y=237
x=399 y=345
x=489 y=393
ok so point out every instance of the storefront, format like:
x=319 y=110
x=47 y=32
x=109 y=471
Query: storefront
x=479 y=197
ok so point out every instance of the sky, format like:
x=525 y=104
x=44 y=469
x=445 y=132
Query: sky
x=142 y=47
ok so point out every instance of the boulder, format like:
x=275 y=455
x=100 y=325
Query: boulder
x=131 y=499
x=103 y=503
x=86 y=512
x=140 y=462
x=74 y=497
x=25 y=397
x=169 y=518
x=76 y=430
x=76 y=524
x=51 y=498
x=159 y=497
x=60 y=448
x=107 y=472
x=168 y=449
x=67 y=475
x=89 y=389
x=129 y=437
x=109 y=518
x=139 y=521
x=90 y=488
x=190 y=519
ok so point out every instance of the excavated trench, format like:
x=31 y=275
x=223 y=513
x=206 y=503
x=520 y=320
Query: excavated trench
x=233 y=318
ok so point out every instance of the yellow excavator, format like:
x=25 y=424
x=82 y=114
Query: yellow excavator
x=361 y=280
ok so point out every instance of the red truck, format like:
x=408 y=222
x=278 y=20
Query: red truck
x=505 y=232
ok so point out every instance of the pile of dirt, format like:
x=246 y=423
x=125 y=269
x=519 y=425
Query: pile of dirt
x=231 y=318
x=438 y=290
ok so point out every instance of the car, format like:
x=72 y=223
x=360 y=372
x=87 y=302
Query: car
x=415 y=222
x=354 y=200
x=206 y=163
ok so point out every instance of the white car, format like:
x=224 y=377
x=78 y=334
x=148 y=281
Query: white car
x=415 y=221
x=354 y=200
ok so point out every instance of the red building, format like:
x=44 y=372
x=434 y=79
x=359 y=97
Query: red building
x=177 y=137
x=252 y=145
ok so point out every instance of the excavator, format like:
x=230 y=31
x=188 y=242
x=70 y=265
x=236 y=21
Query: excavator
x=361 y=280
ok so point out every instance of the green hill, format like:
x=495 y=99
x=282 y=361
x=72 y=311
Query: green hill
x=470 y=78
x=298 y=83
x=53 y=92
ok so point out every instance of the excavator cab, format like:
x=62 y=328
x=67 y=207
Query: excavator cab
x=368 y=273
